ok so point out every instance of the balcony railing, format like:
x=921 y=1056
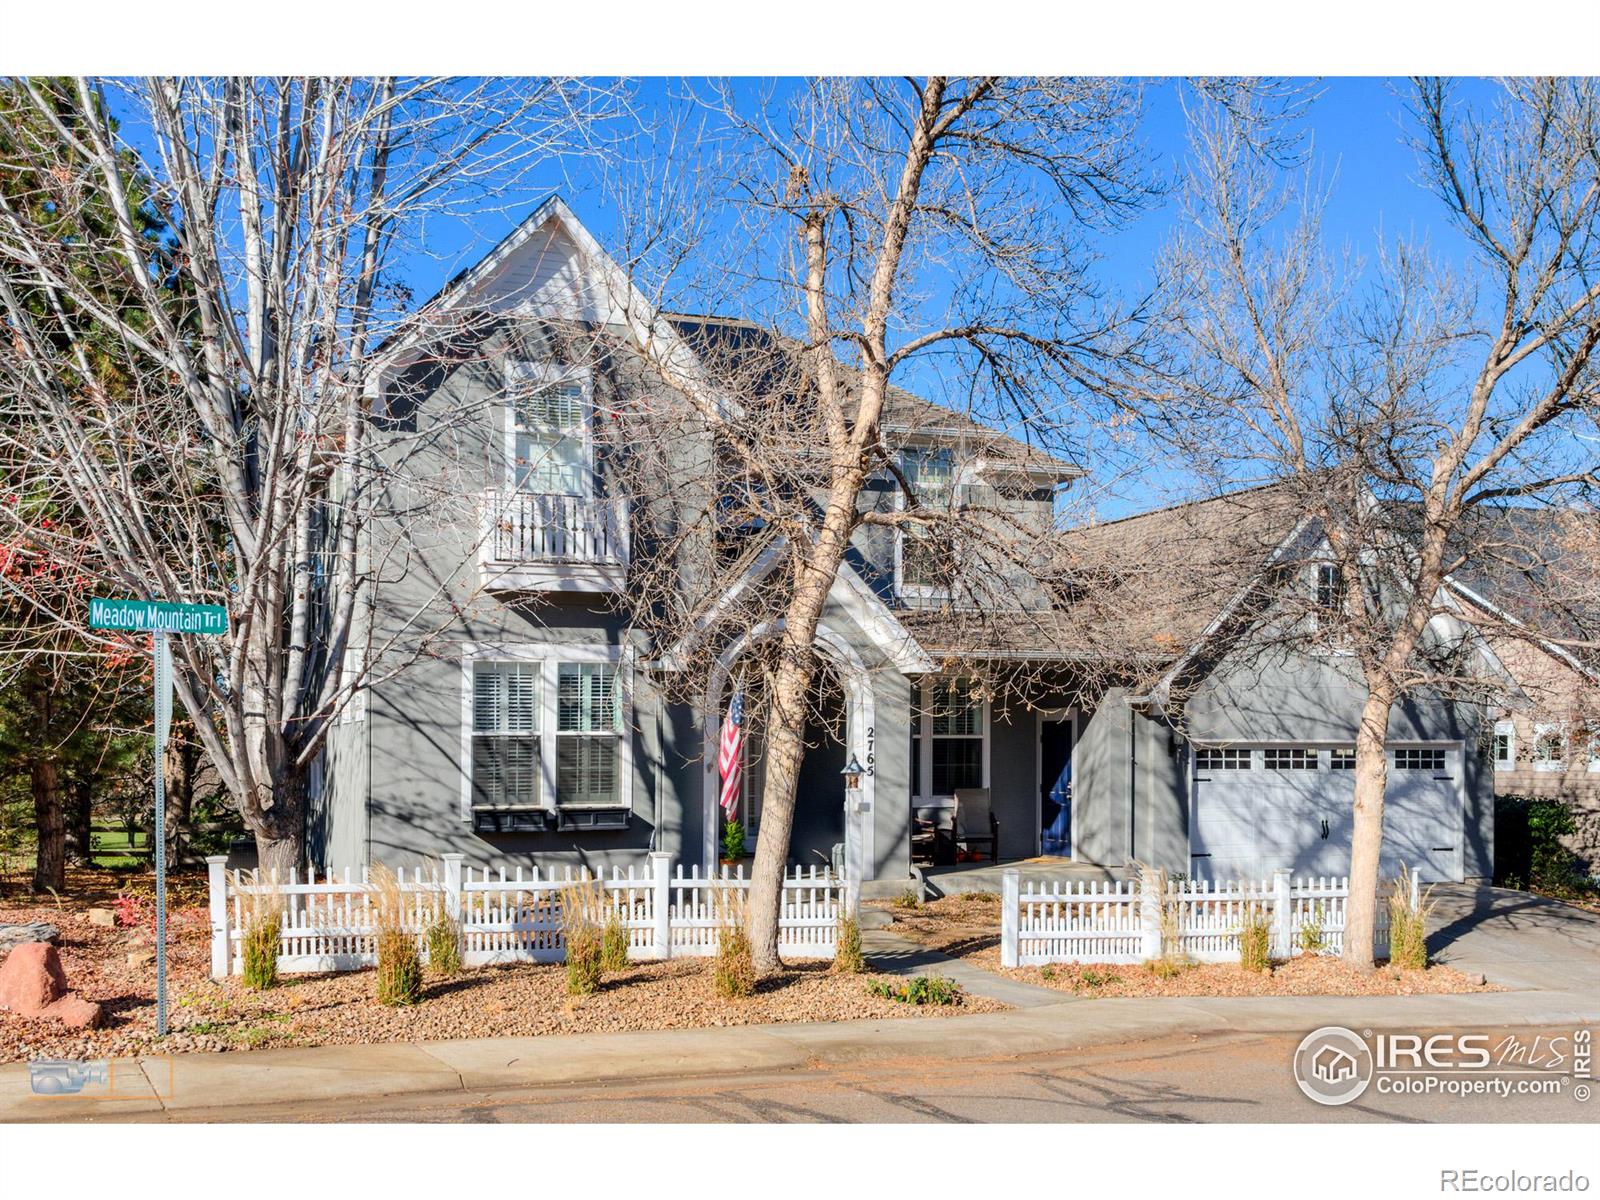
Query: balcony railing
x=533 y=530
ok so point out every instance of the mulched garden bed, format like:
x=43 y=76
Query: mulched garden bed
x=310 y=1010
x=968 y=927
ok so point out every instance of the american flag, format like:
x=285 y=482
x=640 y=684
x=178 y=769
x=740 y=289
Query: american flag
x=728 y=760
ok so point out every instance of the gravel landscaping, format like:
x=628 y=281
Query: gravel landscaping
x=309 y=1010
x=968 y=927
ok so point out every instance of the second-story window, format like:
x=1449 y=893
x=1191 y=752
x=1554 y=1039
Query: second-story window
x=547 y=418
x=923 y=568
x=1330 y=587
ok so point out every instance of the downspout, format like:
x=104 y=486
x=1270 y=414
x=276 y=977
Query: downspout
x=1133 y=783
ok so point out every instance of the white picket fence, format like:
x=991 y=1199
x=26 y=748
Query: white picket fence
x=330 y=924
x=1121 y=922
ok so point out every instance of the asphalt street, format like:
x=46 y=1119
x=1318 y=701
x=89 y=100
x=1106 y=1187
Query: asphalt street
x=1188 y=1079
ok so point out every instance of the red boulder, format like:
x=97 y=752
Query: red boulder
x=31 y=979
x=75 y=1012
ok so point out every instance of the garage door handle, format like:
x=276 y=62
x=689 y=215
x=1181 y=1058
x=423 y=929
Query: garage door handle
x=1324 y=828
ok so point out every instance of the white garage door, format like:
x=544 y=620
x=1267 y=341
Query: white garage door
x=1256 y=808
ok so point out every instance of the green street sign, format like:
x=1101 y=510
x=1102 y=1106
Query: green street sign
x=157 y=616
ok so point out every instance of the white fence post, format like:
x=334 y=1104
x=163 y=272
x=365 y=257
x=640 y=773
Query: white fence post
x=1149 y=914
x=661 y=904
x=452 y=885
x=217 y=882
x=1283 y=912
x=1010 y=916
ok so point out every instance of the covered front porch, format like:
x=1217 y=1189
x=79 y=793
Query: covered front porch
x=985 y=876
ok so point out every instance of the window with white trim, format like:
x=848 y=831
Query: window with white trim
x=505 y=766
x=1289 y=758
x=1418 y=759
x=920 y=567
x=1330 y=587
x=547 y=416
x=1232 y=759
x=1504 y=746
x=1549 y=747
x=588 y=736
x=1342 y=759
x=949 y=740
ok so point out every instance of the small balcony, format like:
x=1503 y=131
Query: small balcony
x=547 y=543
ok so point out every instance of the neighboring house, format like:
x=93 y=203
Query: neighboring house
x=529 y=724
x=1544 y=740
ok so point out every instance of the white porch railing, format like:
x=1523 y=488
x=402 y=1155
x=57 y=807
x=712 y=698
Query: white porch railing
x=1123 y=922
x=330 y=924
x=532 y=527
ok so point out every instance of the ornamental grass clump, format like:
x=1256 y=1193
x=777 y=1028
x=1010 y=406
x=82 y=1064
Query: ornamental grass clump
x=734 y=971
x=847 y=956
x=614 y=944
x=261 y=934
x=1408 y=924
x=1255 y=940
x=580 y=928
x=443 y=937
x=399 y=982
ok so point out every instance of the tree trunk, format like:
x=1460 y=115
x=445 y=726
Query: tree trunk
x=1366 y=838
x=80 y=822
x=785 y=747
x=280 y=829
x=50 y=864
x=180 y=766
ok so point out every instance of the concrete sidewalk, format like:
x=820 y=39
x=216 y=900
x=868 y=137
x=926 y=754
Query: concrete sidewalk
x=216 y=1083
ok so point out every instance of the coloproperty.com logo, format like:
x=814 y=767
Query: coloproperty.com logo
x=1334 y=1065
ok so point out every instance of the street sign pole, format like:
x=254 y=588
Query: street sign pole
x=163 y=722
x=158 y=619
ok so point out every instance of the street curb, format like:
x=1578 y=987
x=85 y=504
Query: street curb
x=214 y=1083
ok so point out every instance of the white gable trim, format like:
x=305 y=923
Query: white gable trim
x=849 y=591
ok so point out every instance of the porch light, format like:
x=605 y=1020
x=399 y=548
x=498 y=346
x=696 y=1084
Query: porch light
x=852 y=774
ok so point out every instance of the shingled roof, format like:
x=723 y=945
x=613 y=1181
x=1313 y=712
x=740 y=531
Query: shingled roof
x=1147 y=587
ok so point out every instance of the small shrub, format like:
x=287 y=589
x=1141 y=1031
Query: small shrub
x=923 y=989
x=1255 y=940
x=847 y=956
x=1098 y=979
x=1313 y=937
x=132 y=911
x=1169 y=966
x=261 y=947
x=908 y=899
x=444 y=945
x=399 y=980
x=733 y=840
x=614 y=945
x=981 y=897
x=1047 y=972
x=1529 y=852
x=1408 y=925
x=735 y=972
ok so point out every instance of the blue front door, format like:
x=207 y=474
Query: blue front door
x=1055 y=788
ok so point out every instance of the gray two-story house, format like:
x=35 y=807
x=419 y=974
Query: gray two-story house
x=518 y=713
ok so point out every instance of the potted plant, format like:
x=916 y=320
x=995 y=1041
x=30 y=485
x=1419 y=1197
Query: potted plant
x=732 y=842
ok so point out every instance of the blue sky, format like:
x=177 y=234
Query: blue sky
x=1357 y=147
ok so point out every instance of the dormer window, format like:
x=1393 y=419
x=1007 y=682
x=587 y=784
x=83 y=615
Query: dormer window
x=548 y=443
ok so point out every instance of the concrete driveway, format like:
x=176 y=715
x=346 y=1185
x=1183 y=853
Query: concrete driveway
x=1516 y=939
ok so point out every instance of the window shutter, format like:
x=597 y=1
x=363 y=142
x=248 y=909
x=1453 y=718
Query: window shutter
x=487 y=699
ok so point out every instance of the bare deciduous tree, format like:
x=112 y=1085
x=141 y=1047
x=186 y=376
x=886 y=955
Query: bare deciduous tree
x=234 y=463
x=1403 y=406
x=934 y=231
